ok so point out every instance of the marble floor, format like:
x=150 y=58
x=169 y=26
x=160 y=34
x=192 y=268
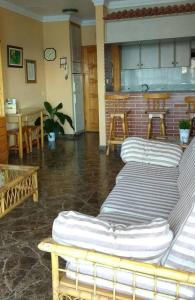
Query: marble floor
x=73 y=176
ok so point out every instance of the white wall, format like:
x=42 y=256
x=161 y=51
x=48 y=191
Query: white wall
x=150 y=28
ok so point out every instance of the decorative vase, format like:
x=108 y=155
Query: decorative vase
x=51 y=137
x=184 y=135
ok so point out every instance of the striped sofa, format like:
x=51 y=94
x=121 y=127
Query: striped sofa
x=142 y=244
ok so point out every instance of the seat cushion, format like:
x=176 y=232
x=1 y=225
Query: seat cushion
x=124 y=282
x=151 y=152
x=144 y=171
x=120 y=218
x=147 y=242
x=141 y=198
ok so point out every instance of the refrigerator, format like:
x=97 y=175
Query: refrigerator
x=78 y=98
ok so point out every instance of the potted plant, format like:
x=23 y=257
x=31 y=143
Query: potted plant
x=54 y=120
x=184 y=131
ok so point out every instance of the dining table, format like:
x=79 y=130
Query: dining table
x=23 y=116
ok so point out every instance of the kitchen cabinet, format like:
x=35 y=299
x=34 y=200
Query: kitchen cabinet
x=175 y=53
x=182 y=53
x=140 y=56
x=130 y=57
x=149 y=55
x=167 y=54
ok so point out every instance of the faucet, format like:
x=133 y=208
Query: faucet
x=145 y=87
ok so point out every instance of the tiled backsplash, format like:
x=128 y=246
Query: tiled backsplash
x=169 y=79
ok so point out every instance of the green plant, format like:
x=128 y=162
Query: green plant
x=53 y=119
x=184 y=124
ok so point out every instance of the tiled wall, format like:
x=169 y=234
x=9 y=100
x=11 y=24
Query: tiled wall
x=137 y=119
x=171 y=79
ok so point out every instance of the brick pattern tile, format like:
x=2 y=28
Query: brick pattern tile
x=137 y=119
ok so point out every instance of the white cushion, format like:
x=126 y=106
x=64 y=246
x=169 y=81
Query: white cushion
x=146 y=242
x=151 y=152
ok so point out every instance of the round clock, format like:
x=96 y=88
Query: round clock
x=50 y=54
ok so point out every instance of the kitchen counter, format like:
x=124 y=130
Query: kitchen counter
x=140 y=92
x=136 y=105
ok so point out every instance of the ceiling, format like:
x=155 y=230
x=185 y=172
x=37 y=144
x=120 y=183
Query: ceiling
x=52 y=8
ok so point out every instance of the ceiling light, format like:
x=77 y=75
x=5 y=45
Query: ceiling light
x=70 y=11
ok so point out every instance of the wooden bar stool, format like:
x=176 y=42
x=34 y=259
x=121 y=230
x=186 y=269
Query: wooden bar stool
x=191 y=111
x=119 y=115
x=16 y=136
x=156 y=109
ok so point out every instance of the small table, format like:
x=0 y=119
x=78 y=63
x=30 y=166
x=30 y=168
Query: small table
x=22 y=116
x=17 y=183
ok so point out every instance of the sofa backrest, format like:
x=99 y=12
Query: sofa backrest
x=181 y=254
x=186 y=167
x=186 y=155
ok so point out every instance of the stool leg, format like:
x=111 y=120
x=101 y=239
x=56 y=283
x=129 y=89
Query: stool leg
x=123 y=127
x=126 y=127
x=26 y=141
x=30 y=139
x=162 y=126
x=149 y=128
x=37 y=137
x=110 y=134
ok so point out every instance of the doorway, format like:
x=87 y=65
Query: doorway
x=90 y=89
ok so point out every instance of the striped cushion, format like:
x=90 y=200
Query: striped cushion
x=186 y=154
x=141 y=198
x=188 y=170
x=182 y=221
x=151 y=152
x=156 y=173
x=120 y=218
x=146 y=242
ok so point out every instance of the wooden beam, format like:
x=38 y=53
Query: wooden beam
x=116 y=64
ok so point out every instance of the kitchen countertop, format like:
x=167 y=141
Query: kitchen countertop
x=140 y=92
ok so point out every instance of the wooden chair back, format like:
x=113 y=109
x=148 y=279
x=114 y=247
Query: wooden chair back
x=191 y=104
x=156 y=102
x=119 y=107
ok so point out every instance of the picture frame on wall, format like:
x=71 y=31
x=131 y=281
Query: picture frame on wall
x=14 y=56
x=31 y=71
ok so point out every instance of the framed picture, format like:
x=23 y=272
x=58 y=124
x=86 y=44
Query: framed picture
x=31 y=72
x=14 y=57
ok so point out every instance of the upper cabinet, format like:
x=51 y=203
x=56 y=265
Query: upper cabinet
x=175 y=54
x=149 y=55
x=140 y=56
x=182 y=53
x=167 y=53
x=130 y=57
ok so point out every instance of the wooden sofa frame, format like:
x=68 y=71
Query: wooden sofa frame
x=65 y=288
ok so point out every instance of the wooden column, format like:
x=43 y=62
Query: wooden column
x=3 y=132
x=2 y=112
x=116 y=65
x=100 y=12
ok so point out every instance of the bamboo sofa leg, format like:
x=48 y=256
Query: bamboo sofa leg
x=55 y=276
x=35 y=186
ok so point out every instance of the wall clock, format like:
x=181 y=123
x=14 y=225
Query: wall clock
x=50 y=54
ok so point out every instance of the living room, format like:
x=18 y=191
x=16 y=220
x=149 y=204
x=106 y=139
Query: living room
x=99 y=62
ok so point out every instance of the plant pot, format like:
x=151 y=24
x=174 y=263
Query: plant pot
x=51 y=137
x=184 y=135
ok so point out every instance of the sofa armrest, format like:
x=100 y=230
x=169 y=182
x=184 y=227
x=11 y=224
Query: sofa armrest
x=151 y=152
x=70 y=252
